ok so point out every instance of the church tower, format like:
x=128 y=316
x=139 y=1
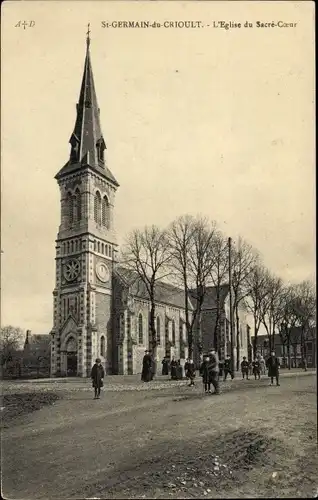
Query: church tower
x=85 y=245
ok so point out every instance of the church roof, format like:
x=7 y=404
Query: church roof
x=87 y=141
x=164 y=292
x=210 y=299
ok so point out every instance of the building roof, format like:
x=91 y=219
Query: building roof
x=87 y=138
x=37 y=345
x=210 y=299
x=295 y=336
x=164 y=292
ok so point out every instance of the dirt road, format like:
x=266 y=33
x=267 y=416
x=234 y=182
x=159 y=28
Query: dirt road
x=165 y=443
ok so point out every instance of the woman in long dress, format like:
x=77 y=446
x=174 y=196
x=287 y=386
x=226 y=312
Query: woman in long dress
x=146 y=367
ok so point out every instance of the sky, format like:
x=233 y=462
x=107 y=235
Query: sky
x=196 y=121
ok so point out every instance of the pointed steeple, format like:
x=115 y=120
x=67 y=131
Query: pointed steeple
x=87 y=142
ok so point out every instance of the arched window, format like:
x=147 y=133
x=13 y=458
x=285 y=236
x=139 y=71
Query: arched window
x=98 y=247
x=158 y=333
x=102 y=346
x=78 y=204
x=102 y=247
x=173 y=332
x=72 y=246
x=140 y=330
x=70 y=211
x=105 y=212
x=97 y=207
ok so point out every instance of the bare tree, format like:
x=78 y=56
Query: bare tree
x=147 y=253
x=288 y=319
x=271 y=306
x=191 y=242
x=244 y=258
x=11 y=339
x=304 y=306
x=181 y=238
x=219 y=276
x=256 y=293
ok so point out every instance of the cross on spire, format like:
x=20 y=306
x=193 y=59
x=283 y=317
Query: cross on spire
x=87 y=34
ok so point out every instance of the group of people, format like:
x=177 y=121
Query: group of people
x=210 y=370
x=175 y=367
x=258 y=367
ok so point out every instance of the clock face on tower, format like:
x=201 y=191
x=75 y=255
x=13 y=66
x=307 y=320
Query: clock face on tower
x=102 y=271
x=71 y=269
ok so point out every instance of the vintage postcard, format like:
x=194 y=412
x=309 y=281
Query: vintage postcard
x=158 y=320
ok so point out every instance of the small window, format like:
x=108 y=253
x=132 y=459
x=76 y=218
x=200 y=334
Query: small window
x=173 y=332
x=158 y=333
x=102 y=346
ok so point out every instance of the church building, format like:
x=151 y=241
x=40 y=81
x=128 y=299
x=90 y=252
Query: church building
x=101 y=309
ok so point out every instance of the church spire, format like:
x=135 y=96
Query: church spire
x=87 y=141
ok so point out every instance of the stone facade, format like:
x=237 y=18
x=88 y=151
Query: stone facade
x=85 y=246
x=100 y=309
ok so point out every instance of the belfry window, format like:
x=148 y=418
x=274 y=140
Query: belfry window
x=105 y=212
x=97 y=207
x=70 y=211
x=78 y=204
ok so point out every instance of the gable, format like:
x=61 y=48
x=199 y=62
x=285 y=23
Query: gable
x=69 y=326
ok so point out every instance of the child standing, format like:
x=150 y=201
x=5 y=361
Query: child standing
x=97 y=375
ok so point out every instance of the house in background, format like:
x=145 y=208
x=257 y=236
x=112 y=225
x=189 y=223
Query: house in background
x=36 y=355
x=281 y=350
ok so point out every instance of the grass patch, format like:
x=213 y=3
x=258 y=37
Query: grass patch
x=16 y=405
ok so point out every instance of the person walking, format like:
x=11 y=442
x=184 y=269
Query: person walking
x=245 y=368
x=228 y=367
x=256 y=369
x=146 y=367
x=190 y=371
x=97 y=376
x=273 y=365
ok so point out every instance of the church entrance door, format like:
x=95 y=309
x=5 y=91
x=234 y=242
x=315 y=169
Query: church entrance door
x=71 y=364
x=71 y=357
